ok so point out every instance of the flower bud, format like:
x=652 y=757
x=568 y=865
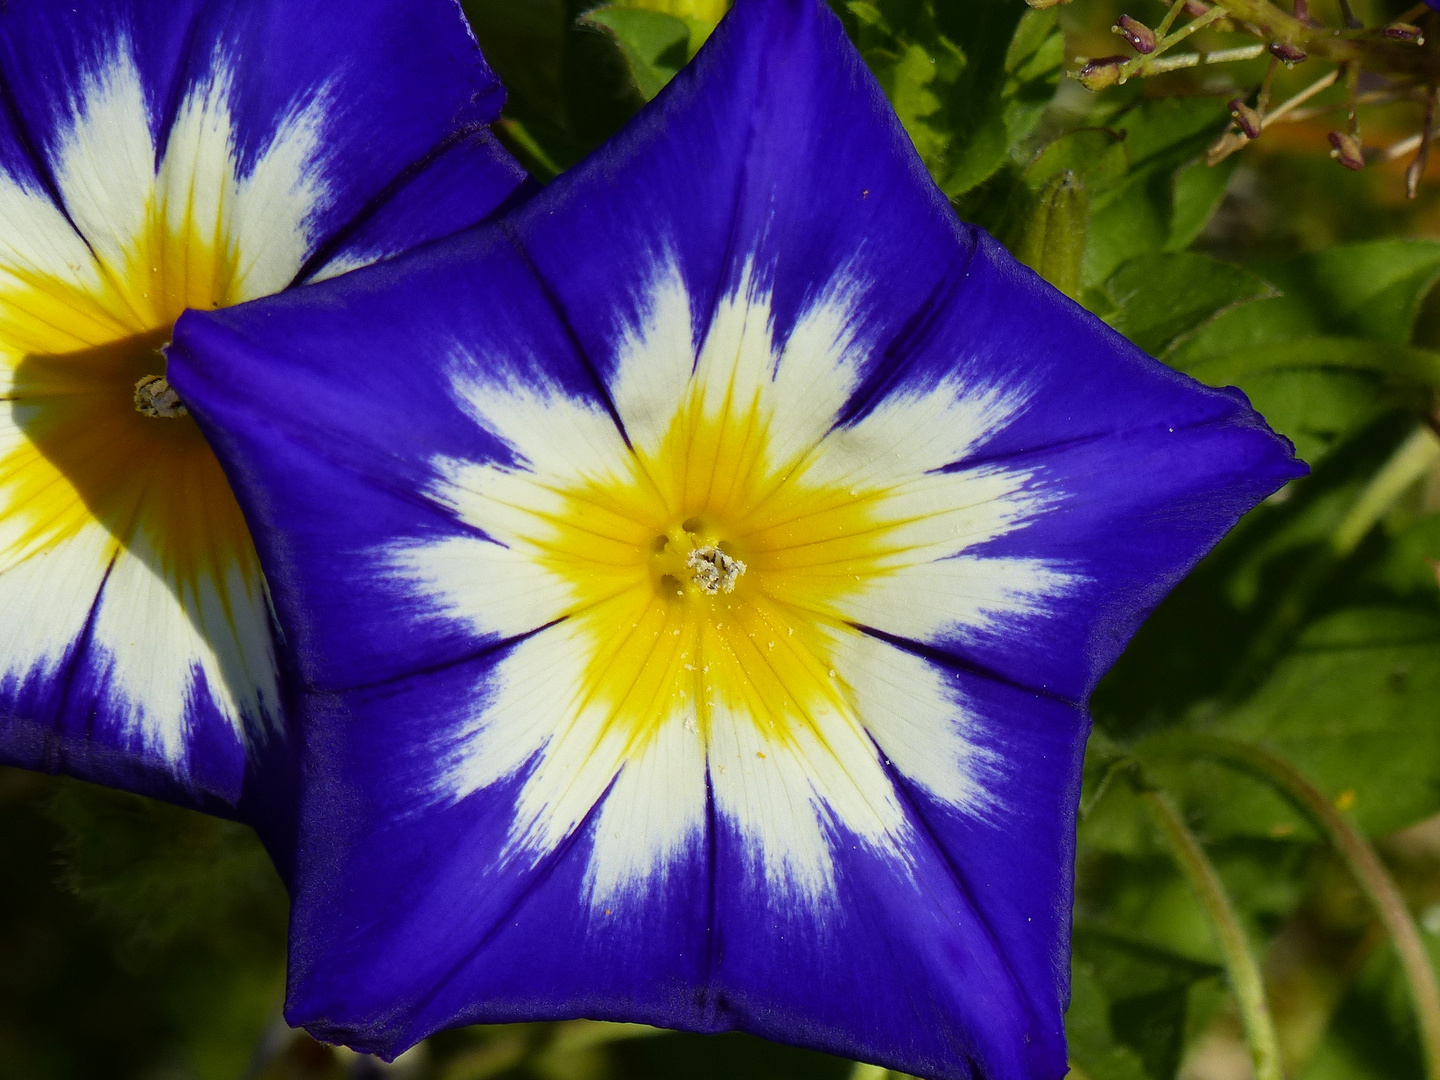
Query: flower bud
x=1141 y=37
x=1101 y=73
x=1052 y=236
x=1346 y=149
x=1246 y=117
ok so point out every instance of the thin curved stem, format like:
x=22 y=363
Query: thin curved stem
x=1240 y=965
x=1374 y=880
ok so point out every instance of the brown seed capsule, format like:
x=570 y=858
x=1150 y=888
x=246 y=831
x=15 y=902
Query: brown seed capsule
x=1345 y=148
x=1101 y=73
x=1141 y=38
x=1287 y=53
x=1246 y=117
x=1195 y=8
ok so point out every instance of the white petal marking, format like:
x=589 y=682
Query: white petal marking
x=811 y=775
x=920 y=721
x=105 y=162
x=157 y=641
x=46 y=601
x=655 y=812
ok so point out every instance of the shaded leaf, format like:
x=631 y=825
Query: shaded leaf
x=1147 y=988
x=967 y=81
x=1093 y=1046
x=1161 y=203
x=1352 y=706
x=1371 y=290
x=656 y=45
x=1160 y=298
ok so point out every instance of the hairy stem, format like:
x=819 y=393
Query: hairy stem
x=1374 y=880
x=1240 y=965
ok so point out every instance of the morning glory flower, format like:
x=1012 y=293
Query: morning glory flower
x=697 y=576
x=157 y=156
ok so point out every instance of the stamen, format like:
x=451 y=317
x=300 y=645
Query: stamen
x=154 y=396
x=713 y=571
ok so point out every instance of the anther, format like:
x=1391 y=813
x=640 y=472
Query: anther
x=713 y=571
x=154 y=396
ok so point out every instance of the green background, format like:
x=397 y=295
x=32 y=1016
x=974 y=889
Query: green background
x=139 y=941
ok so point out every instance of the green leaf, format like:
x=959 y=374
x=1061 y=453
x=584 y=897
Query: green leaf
x=1315 y=390
x=1371 y=290
x=191 y=898
x=1095 y=155
x=1147 y=988
x=656 y=45
x=1410 y=564
x=569 y=85
x=1093 y=1046
x=1404 y=363
x=1196 y=192
x=1160 y=299
x=994 y=106
x=1352 y=706
x=1162 y=202
x=967 y=81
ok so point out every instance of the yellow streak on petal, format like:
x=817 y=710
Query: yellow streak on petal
x=661 y=647
x=87 y=456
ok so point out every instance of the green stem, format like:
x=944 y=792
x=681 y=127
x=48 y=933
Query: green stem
x=1415 y=457
x=1170 y=17
x=1150 y=63
x=1240 y=963
x=1393 y=58
x=1377 y=884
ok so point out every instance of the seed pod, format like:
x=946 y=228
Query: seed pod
x=1403 y=32
x=1246 y=117
x=1098 y=74
x=1141 y=38
x=1346 y=149
x=1287 y=53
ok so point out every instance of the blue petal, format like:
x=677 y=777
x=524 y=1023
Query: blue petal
x=400 y=83
x=771 y=173
x=397 y=98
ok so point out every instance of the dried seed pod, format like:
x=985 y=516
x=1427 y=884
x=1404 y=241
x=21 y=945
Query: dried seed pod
x=1246 y=117
x=1346 y=149
x=1287 y=53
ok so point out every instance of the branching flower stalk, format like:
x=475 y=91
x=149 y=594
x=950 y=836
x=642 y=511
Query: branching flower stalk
x=1392 y=51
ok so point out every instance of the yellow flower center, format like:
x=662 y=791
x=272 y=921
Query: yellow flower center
x=706 y=581
x=88 y=394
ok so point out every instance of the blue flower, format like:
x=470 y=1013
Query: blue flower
x=157 y=155
x=697 y=576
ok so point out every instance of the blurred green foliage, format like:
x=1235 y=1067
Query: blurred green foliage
x=141 y=941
